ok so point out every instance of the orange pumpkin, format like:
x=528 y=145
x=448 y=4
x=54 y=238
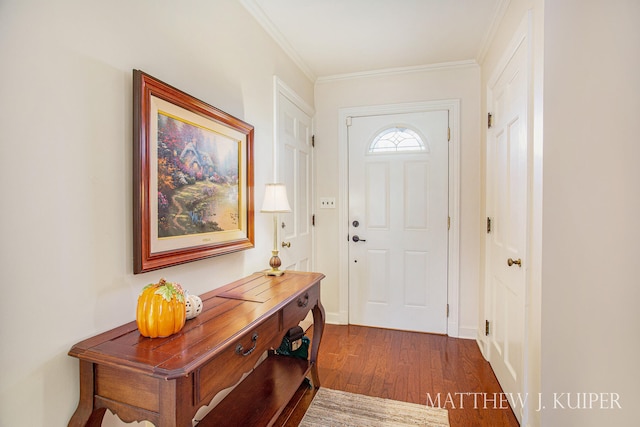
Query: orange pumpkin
x=161 y=309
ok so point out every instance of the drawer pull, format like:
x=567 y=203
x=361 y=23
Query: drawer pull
x=304 y=303
x=240 y=349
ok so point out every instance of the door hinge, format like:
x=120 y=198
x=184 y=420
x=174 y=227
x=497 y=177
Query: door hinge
x=486 y=327
x=313 y=220
x=448 y=134
x=447 y=310
x=313 y=141
x=488 y=225
x=489 y=120
x=448 y=223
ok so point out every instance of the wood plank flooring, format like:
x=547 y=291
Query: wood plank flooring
x=411 y=367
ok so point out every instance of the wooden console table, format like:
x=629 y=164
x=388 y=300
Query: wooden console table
x=166 y=380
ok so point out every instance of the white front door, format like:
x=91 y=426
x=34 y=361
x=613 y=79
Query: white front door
x=507 y=212
x=294 y=168
x=398 y=214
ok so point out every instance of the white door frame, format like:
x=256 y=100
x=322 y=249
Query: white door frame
x=453 y=270
x=281 y=88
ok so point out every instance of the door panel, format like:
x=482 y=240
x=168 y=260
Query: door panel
x=398 y=267
x=416 y=209
x=378 y=197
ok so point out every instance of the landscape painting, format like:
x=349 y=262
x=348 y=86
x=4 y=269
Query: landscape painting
x=197 y=179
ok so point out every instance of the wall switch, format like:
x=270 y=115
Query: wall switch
x=327 y=202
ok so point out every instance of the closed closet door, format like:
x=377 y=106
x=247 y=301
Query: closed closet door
x=507 y=190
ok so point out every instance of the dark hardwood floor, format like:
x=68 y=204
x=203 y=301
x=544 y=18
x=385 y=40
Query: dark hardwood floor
x=412 y=367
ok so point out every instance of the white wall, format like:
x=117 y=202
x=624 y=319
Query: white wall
x=591 y=232
x=426 y=85
x=66 y=169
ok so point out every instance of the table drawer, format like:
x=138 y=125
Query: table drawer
x=297 y=310
x=240 y=357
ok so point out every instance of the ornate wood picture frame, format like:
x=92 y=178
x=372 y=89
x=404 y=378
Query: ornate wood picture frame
x=192 y=175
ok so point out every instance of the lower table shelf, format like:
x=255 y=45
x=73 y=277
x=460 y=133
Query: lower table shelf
x=261 y=397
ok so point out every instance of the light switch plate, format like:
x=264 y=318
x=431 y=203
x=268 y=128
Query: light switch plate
x=327 y=202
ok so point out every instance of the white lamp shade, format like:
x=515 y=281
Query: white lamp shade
x=275 y=199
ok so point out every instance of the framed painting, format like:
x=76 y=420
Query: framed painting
x=193 y=178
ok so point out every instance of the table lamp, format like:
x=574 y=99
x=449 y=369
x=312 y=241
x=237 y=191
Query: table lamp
x=275 y=202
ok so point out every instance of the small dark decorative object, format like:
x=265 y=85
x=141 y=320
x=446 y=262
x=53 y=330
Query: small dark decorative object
x=294 y=343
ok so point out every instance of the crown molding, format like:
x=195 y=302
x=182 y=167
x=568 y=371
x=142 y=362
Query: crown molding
x=400 y=70
x=256 y=11
x=498 y=14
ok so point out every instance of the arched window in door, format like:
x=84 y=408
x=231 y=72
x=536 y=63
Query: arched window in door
x=397 y=139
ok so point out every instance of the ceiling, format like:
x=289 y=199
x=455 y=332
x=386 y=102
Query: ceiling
x=337 y=37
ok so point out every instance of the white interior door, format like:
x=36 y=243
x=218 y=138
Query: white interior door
x=398 y=210
x=295 y=171
x=507 y=210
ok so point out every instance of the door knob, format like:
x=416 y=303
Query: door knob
x=518 y=262
x=357 y=239
x=286 y=244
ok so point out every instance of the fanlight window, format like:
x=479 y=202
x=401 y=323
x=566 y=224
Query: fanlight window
x=396 y=139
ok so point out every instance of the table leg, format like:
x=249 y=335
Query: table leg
x=176 y=402
x=318 y=328
x=86 y=415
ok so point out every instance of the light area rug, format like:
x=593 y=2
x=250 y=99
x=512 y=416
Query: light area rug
x=334 y=408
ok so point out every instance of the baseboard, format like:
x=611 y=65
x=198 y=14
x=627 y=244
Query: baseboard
x=468 y=333
x=338 y=318
x=481 y=345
